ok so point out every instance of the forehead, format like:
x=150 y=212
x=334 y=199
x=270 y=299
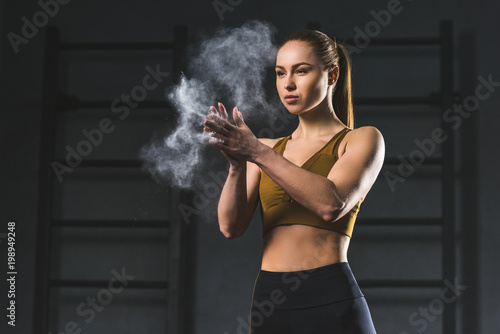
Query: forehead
x=294 y=52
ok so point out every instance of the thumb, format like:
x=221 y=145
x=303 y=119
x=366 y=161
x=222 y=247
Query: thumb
x=238 y=117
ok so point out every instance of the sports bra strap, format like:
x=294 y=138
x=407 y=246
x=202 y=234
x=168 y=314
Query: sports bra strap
x=335 y=149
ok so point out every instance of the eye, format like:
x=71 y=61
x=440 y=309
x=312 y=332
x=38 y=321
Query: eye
x=301 y=71
x=279 y=73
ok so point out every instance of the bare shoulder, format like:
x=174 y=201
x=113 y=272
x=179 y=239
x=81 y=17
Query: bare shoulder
x=368 y=137
x=367 y=132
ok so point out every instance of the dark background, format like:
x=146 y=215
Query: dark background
x=220 y=273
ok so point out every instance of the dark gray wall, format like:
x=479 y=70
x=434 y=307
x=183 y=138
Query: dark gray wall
x=222 y=272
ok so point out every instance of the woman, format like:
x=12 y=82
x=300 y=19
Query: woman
x=310 y=185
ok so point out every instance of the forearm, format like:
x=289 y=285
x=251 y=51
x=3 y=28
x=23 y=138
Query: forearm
x=313 y=191
x=233 y=202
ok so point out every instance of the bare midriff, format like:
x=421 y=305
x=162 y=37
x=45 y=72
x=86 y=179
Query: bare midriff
x=302 y=247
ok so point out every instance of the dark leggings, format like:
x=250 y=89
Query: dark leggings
x=323 y=300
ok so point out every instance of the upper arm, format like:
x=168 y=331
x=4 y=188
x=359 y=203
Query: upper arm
x=356 y=170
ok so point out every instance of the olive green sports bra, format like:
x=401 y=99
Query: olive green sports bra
x=278 y=208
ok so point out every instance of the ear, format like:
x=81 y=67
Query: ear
x=333 y=75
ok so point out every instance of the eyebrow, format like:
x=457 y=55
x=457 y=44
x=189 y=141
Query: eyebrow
x=302 y=63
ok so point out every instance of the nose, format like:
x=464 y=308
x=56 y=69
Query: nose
x=289 y=83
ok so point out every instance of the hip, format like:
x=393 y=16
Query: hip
x=306 y=288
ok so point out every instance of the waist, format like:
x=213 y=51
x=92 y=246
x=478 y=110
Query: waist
x=306 y=288
x=299 y=247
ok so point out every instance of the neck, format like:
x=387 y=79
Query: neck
x=321 y=120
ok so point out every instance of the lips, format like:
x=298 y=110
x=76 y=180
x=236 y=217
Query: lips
x=291 y=98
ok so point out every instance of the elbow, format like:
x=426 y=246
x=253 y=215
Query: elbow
x=230 y=234
x=332 y=212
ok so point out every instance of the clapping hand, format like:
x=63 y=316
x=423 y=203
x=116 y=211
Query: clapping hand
x=236 y=141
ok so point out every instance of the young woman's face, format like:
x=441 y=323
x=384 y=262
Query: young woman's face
x=300 y=80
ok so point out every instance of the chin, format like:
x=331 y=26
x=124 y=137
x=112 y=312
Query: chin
x=297 y=109
x=293 y=110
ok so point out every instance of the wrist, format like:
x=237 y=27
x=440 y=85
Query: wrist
x=237 y=167
x=260 y=154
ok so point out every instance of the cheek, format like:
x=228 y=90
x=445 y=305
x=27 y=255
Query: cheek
x=322 y=84
x=279 y=85
x=316 y=89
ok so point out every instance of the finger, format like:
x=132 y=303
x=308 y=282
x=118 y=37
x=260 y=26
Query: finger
x=237 y=117
x=216 y=127
x=223 y=112
x=208 y=130
x=218 y=137
x=221 y=121
x=218 y=141
x=211 y=131
x=213 y=110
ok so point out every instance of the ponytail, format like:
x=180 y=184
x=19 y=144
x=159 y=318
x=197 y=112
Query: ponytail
x=342 y=95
